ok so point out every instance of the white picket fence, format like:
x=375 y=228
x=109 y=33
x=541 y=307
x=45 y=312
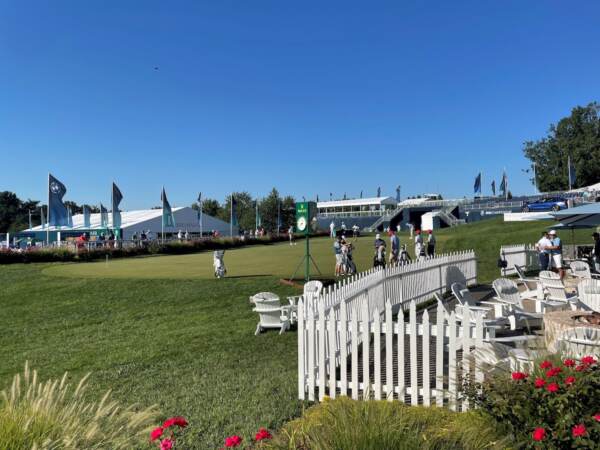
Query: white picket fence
x=333 y=326
x=524 y=255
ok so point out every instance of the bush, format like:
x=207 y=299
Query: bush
x=555 y=406
x=50 y=415
x=346 y=424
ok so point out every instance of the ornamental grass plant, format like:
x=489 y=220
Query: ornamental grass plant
x=52 y=414
x=345 y=424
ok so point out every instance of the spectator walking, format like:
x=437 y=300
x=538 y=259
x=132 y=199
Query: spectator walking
x=379 y=259
x=411 y=229
x=596 y=253
x=187 y=235
x=332 y=229
x=394 y=248
x=556 y=253
x=339 y=258
x=542 y=247
x=419 y=250
x=355 y=231
x=291 y=235
x=430 y=244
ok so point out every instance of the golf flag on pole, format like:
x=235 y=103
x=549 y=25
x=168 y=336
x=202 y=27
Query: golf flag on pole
x=57 y=211
x=168 y=220
x=200 y=212
x=378 y=192
x=116 y=198
x=103 y=216
x=86 y=216
x=494 y=188
x=572 y=177
x=477 y=185
x=504 y=185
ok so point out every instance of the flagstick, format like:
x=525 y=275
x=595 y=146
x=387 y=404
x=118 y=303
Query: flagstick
x=48 y=218
x=231 y=217
x=162 y=219
x=200 y=216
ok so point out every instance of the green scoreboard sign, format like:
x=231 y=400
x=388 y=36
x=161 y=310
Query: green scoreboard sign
x=306 y=217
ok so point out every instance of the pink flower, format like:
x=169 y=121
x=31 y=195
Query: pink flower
x=166 y=444
x=569 y=380
x=569 y=362
x=588 y=360
x=552 y=387
x=553 y=372
x=263 y=433
x=596 y=417
x=156 y=433
x=580 y=368
x=539 y=434
x=578 y=430
x=519 y=376
x=178 y=420
x=539 y=382
x=545 y=365
x=233 y=441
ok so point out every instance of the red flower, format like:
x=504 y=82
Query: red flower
x=233 y=441
x=166 y=444
x=545 y=365
x=580 y=368
x=539 y=382
x=539 y=434
x=588 y=360
x=552 y=387
x=570 y=380
x=263 y=433
x=596 y=417
x=553 y=372
x=156 y=433
x=519 y=376
x=569 y=362
x=178 y=420
x=578 y=430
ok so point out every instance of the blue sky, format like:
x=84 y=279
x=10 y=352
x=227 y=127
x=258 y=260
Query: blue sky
x=310 y=97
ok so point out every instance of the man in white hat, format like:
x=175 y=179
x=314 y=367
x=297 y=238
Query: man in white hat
x=556 y=253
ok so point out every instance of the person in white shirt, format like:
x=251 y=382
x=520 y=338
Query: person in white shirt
x=418 y=245
x=543 y=252
x=411 y=228
x=398 y=228
x=291 y=235
x=180 y=235
x=332 y=229
x=355 y=230
x=187 y=235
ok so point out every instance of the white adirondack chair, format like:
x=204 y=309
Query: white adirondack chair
x=490 y=325
x=589 y=294
x=495 y=356
x=508 y=294
x=581 y=341
x=581 y=269
x=554 y=289
x=265 y=298
x=530 y=284
x=272 y=317
x=311 y=289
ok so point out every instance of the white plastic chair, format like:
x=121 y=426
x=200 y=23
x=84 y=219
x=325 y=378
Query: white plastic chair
x=580 y=341
x=311 y=289
x=271 y=317
x=490 y=325
x=265 y=298
x=508 y=294
x=554 y=289
x=589 y=294
x=581 y=269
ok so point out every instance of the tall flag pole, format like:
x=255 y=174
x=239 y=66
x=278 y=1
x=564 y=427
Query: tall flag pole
x=493 y=188
x=103 y=217
x=233 y=214
x=278 y=215
x=168 y=220
x=30 y=227
x=200 y=207
x=477 y=185
x=504 y=185
x=86 y=216
x=379 y=192
x=43 y=217
x=116 y=198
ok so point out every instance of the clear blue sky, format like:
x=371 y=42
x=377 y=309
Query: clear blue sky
x=310 y=97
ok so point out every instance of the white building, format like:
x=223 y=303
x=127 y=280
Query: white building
x=357 y=207
x=186 y=219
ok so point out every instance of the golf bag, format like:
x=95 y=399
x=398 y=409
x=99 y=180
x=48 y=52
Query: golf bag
x=379 y=258
x=404 y=257
x=219 y=264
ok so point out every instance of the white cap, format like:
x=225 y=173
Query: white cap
x=377 y=236
x=552 y=232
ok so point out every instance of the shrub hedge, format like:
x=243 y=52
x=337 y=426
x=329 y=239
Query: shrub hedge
x=168 y=248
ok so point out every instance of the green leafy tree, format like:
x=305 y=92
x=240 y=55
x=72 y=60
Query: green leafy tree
x=268 y=209
x=288 y=211
x=210 y=207
x=245 y=210
x=577 y=136
x=14 y=212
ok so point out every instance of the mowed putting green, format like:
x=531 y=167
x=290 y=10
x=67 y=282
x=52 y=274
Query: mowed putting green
x=279 y=260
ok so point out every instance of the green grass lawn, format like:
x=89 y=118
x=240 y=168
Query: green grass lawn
x=161 y=330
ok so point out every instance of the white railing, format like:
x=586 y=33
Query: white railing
x=418 y=362
x=524 y=255
x=364 y=297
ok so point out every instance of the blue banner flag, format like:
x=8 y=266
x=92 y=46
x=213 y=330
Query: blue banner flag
x=168 y=220
x=57 y=211
x=504 y=185
x=86 y=216
x=116 y=200
x=378 y=192
x=494 y=188
x=477 y=185
x=43 y=217
x=103 y=216
x=234 y=219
